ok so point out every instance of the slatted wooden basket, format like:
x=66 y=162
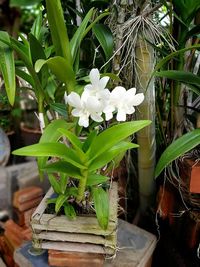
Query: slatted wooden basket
x=81 y=235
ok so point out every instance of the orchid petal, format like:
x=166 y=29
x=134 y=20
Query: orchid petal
x=137 y=99
x=96 y=117
x=94 y=76
x=83 y=121
x=121 y=115
x=93 y=104
x=88 y=87
x=74 y=100
x=76 y=112
x=103 y=81
x=108 y=116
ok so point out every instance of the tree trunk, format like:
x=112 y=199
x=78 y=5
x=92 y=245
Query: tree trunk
x=146 y=136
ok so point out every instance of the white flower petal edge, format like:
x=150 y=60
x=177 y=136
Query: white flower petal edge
x=74 y=100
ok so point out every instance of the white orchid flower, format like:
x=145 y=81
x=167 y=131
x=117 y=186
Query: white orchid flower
x=85 y=107
x=122 y=101
x=97 y=84
x=97 y=87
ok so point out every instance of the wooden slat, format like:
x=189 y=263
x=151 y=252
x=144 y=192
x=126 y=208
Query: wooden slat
x=108 y=241
x=69 y=246
x=42 y=206
x=80 y=225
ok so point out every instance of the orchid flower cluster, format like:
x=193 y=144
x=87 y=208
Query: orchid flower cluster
x=97 y=100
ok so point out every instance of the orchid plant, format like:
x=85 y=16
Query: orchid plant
x=75 y=167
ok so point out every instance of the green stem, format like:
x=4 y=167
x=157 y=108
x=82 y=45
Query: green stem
x=82 y=186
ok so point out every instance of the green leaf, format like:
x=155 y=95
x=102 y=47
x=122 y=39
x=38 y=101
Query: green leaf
x=105 y=38
x=50 y=150
x=110 y=154
x=51 y=134
x=61 y=199
x=113 y=135
x=95 y=179
x=69 y=211
x=25 y=76
x=60 y=109
x=51 y=200
x=91 y=137
x=180 y=146
x=60 y=67
x=37 y=25
x=163 y=61
x=58 y=30
x=54 y=183
x=71 y=137
x=7 y=67
x=185 y=77
x=37 y=53
x=182 y=76
x=23 y=3
x=63 y=167
x=101 y=204
x=76 y=143
x=79 y=34
x=63 y=182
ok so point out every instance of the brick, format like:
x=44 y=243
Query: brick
x=13 y=239
x=26 y=194
x=28 y=204
x=74 y=259
x=27 y=234
x=10 y=224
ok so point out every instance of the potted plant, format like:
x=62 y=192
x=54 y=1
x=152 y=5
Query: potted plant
x=76 y=153
x=78 y=166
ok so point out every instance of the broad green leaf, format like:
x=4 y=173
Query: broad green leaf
x=24 y=3
x=60 y=67
x=37 y=25
x=79 y=34
x=180 y=146
x=113 y=135
x=74 y=140
x=25 y=76
x=50 y=150
x=89 y=140
x=163 y=61
x=188 y=78
x=51 y=134
x=37 y=53
x=110 y=154
x=76 y=143
x=7 y=67
x=182 y=76
x=63 y=167
x=58 y=30
x=54 y=183
x=95 y=179
x=105 y=38
x=61 y=199
x=101 y=204
x=60 y=109
x=69 y=211
x=63 y=182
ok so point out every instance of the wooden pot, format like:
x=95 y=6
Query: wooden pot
x=80 y=235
